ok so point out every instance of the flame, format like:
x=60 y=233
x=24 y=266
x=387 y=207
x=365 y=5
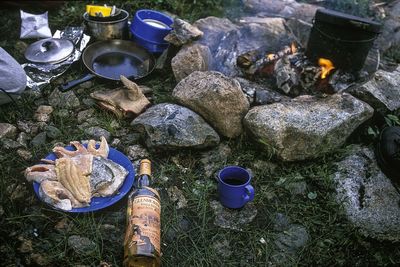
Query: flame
x=326 y=67
x=293 y=48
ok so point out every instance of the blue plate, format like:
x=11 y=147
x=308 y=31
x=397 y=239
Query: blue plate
x=98 y=203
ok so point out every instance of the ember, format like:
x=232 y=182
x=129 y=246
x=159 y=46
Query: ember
x=326 y=67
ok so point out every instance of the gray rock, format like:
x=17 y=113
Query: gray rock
x=24 y=154
x=67 y=100
x=170 y=126
x=42 y=113
x=235 y=219
x=81 y=245
x=130 y=138
x=217 y=98
x=367 y=195
x=192 y=57
x=382 y=91
x=52 y=132
x=258 y=94
x=39 y=139
x=136 y=152
x=287 y=244
x=176 y=195
x=307 y=126
x=7 y=130
x=182 y=33
x=390 y=36
x=297 y=188
x=281 y=8
x=97 y=132
x=84 y=115
x=227 y=40
x=9 y=144
x=23 y=138
x=280 y=222
x=212 y=160
x=222 y=248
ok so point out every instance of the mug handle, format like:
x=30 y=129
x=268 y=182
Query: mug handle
x=249 y=196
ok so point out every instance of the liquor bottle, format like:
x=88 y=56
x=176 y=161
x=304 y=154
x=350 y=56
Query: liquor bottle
x=142 y=236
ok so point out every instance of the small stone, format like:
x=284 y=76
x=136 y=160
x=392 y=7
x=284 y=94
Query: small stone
x=176 y=195
x=24 y=154
x=7 y=131
x=129 y=138
x=297 y=188
x=97 y=132
x=23 y=139
x=280 y=222
x=292 y=239
x=26 y=245
x=52 y=132
x=85 y=114
x=65 y=100
x=115 y=142
x=28 y=127
x=222 y=248
x=89 y=102
x=39 y=139
x=10 y=144
x=104 y=264
x=64 y=113
x=233 y=218
x=114 y=124
x=213 y=159
x=63 y=225
x=86 y=85
x=136 y=152
x=17 y=191
x=39 y=259
x=81 y=245
x=44 y=109
x=1 y=210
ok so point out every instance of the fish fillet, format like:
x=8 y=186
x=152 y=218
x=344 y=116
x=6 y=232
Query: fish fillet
x=40 y=172
x=101 y=151
x=71 y=177
x=55 y=194
x=119 y=173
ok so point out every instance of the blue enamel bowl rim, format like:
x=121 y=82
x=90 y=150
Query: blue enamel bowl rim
x=146 y=40
x=98 y=203
x=138 y=12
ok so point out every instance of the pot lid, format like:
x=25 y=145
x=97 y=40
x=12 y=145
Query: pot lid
x=51 y=50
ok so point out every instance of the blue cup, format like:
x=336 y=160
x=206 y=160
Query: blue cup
x=234 y=187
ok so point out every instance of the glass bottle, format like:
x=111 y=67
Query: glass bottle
x=142 y=236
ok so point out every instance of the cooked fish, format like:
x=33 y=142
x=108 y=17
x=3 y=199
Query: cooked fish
x=101 y=176
x=71 y=177
x=119 y=173
x=55 y=194
x=101 y=151
x=40 y=172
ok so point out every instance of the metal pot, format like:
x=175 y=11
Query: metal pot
x=107 y=30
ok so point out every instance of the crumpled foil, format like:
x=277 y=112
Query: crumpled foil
x=39 y=75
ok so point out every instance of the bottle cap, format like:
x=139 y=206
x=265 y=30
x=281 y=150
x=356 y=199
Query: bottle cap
x=145 y=167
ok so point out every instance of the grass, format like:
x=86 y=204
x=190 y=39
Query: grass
x=189 y=236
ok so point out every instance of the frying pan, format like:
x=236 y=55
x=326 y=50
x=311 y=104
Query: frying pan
x=111 y=58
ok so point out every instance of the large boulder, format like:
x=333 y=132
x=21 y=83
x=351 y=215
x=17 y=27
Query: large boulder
x=369 y=199
x=281 y=8
x=227 y=40
x=217 y=98
x=170 y=126
x=307 y=126
x=382 y=91
x=192 y=57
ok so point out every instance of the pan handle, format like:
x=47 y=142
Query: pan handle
x=68 y=85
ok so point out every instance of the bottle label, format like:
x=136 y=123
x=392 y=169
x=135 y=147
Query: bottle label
x=143 y=231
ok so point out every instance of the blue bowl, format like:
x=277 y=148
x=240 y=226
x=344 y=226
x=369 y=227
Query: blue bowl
x=152 y=47
x=151 y=25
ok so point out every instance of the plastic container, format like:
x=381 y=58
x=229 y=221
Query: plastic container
x=344 y=39
x=152 y=47
x=149 y=27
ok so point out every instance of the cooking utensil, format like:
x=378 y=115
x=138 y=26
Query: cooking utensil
x=113 y=27
x=50 y=50
x=112 y=58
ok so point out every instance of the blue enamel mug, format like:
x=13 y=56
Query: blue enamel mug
x=234 y=187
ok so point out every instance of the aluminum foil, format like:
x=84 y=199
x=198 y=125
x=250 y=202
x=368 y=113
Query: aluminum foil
x=39 y=75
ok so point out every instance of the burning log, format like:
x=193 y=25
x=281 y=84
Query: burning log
x=255 y=60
